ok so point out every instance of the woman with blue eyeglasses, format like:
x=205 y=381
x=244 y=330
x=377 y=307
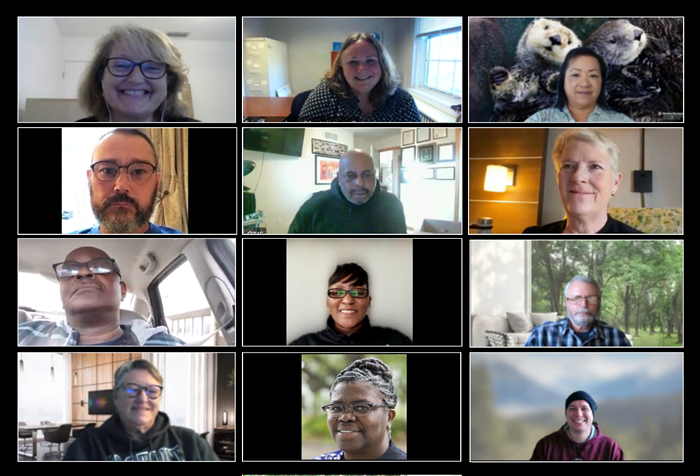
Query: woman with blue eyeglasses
x=138 y=431
x=136 y=75
x=348 y=302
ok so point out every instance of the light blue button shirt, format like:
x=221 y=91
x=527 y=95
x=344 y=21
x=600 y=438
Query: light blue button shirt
x=554 y=114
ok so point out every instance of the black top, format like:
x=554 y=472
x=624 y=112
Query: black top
x=166 y=118
x=324 y=105
x=330 y=212
x=611 y=226
x=367 y=335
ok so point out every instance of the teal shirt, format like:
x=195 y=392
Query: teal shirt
x=552 y=114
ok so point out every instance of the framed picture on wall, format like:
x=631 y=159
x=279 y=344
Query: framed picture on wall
x=446 y=152
x=426 y=154
x=445 y=173
x=439 y=132
x=423 y=134
x=326 y=169
x=408 y=137
x=408 y=155
x=329 y=149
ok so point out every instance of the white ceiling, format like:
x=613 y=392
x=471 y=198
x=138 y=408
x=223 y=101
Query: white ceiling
x=208 y=29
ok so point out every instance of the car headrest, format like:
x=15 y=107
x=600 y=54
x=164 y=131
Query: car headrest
x=126 y=316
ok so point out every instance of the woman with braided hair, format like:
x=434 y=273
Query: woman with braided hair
x=361 y=411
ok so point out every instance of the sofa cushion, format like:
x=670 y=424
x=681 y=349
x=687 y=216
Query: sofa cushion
x=499 y=339
x=539 y=318
x=519 y=321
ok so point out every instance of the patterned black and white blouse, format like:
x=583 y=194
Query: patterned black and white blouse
x=323 y=105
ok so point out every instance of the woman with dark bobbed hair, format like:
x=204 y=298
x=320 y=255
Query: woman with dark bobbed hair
x=363 y=398
x=581 y=91
x=136 y=75
x=348 y=323
x=362 y=86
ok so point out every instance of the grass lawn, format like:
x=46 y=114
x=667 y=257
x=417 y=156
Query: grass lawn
x=658 y=339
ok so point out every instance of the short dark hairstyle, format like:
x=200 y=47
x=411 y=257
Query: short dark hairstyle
x=130 y=131
x=349 y=272
x=576 y=52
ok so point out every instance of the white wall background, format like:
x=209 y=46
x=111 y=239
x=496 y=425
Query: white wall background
x=389 y=266
x=42 y=51
x=310 y=42
x=499 y=279
x=663 y=156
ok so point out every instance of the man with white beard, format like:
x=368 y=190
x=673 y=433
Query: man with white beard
x=582 y=326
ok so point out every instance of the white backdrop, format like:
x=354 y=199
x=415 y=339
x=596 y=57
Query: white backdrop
x=389 y=266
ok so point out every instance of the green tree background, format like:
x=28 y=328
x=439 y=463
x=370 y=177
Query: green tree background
x=641 y=283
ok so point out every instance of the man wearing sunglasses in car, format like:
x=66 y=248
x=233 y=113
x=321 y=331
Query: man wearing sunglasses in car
x=348 y=302
x=123 y=181
x=92 y=289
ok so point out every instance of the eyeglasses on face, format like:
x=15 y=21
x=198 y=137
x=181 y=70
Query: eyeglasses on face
x=138 y=172
x=69 y=269
x=335 y=410
x=133 y=390
x=150 y=69
x=352 y=176
x=340 y=293
x=580 y=299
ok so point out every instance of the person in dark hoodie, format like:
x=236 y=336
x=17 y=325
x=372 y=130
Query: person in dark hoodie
x=355 y=203
x=348 y=324
x=138 y=431
x=580 y=438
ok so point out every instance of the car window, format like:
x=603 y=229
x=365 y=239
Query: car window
x=185 y=306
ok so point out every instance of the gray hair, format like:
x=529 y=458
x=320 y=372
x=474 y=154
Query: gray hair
x=596 y=139
x=583 y=279
x=139 y=364
x=374 y=372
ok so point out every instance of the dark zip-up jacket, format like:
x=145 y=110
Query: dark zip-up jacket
x=330 y=212
x=367 y=335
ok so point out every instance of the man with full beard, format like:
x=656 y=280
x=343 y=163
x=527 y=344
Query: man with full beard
x=123 y=181
x=582 y=326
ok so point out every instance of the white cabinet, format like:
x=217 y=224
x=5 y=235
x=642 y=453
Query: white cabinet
x=265 y=66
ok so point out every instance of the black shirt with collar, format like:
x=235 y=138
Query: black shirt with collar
x=611 y=226
x=367 y=335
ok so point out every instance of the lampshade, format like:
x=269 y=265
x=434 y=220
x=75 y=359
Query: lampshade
x=496 y=176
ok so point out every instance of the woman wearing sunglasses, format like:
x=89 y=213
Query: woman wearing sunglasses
x=348 y=302
x=138 y=431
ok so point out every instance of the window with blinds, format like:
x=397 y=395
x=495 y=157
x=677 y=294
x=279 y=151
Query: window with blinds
x=439 y=42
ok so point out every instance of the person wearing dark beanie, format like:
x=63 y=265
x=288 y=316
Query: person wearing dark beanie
x=580 y=438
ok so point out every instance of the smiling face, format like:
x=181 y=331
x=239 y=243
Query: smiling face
x=583 y=82
x=132 y=98
x=586 y=180
x=348 y=312
x=137 y=414
x=361 y=68
x=88 y=293
x=579 y=417
x=356 y=176
x=121 y=205
x=582 y=315
x=363 y=436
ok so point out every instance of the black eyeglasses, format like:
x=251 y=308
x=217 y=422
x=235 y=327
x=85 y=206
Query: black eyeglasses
x=150 y=69
x=138 y=172
x=68 y=269
x=335 y=410
x=133 y=390
x=340 y=293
